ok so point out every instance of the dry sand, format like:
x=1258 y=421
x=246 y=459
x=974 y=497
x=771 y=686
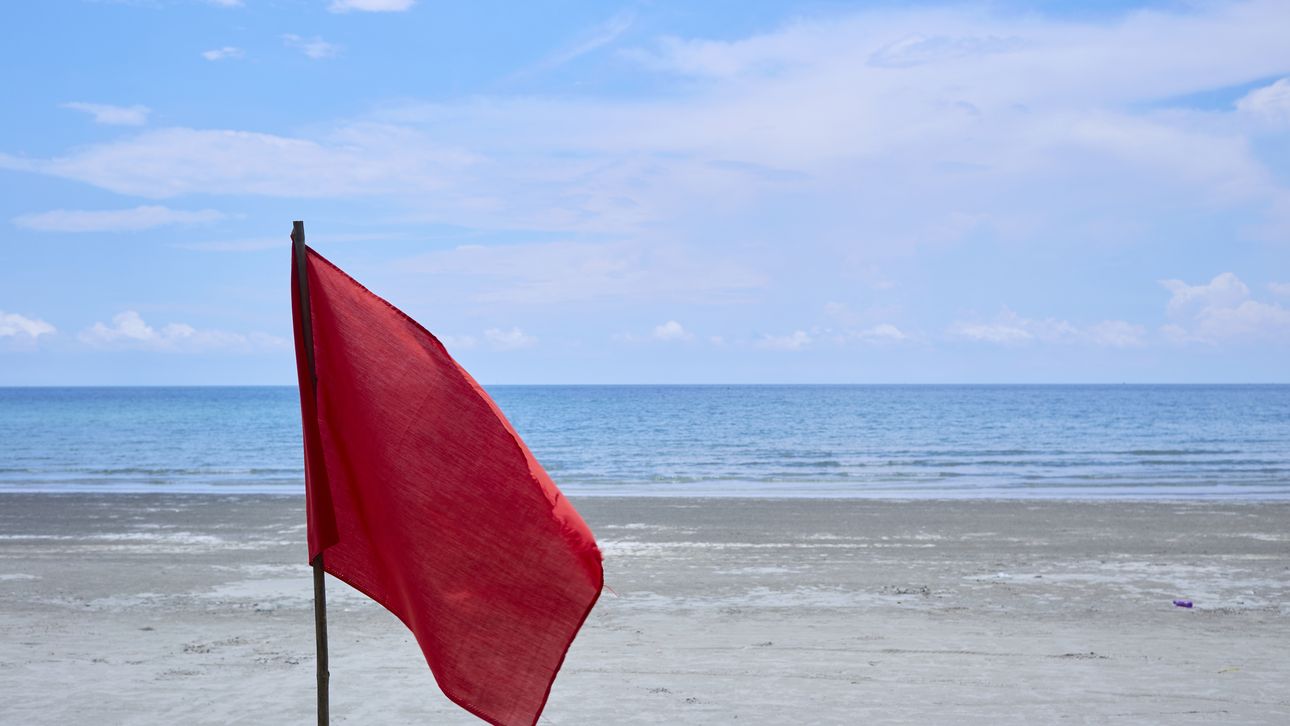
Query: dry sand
x=158 y=609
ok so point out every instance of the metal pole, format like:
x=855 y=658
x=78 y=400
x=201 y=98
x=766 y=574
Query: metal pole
x=320 y=589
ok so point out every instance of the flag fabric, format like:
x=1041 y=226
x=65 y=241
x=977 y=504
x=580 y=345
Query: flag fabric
x=422 y=496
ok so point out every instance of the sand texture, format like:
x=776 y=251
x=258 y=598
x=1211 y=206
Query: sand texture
x=163 y=609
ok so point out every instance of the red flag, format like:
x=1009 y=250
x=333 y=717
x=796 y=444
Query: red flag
x=423 y=497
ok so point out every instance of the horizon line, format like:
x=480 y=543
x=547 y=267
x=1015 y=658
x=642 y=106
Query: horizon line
x=681 y=385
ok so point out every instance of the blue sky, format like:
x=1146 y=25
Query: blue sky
x=655 y=191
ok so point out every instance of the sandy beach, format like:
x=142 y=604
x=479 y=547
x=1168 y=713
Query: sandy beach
x=163 y=609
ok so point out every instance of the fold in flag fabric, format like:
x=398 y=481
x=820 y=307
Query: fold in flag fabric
x=421 y=495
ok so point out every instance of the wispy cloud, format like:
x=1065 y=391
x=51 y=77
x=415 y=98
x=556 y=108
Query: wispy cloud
x=228 y=52
x=795 y=340
x=598 y=37
x=315 y=48
x=512 y=339
x=128 y=330
x=1116 y=334
x=370 y=6
x=13 y=325
x=1269 y=103
x=112 y=115
x=915 y=50
x=559 y=272
x=114 y=220
x=1020 y=118
x=1009 y=328
x=881 y=333
x=672 y=330
x=1011 y=129
x=239 y=162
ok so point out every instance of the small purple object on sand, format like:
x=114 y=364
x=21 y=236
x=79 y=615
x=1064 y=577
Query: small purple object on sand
x=1183 y=603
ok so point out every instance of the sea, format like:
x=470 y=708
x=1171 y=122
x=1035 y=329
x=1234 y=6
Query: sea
x=1201 y=442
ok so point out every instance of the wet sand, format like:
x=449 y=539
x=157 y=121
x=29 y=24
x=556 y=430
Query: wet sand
x=163 y=609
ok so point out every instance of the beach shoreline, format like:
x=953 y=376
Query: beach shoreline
x=162 y=608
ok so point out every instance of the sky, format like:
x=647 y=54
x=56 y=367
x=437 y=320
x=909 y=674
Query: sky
x=653 y=192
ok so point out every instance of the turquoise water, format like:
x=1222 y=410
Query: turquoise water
x=853 y=441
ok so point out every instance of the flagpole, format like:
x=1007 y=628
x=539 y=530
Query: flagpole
x=320 y=589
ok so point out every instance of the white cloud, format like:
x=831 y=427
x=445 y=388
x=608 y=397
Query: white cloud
x=315 y=48
x=916 y=50
x=512 y=339
x=1280 y=289
x=1269 y=103
x=112 y=115
x=672 y=330
x=1221 y=310
x=1116 y=334
x=1212 y=312
x=226 y=3
x=1007 y=331
x=796 y=340
x=668 y=332
x=881 y=333
x=114 y=220
x=357 y=161
x=1225 y=290
x=558 y=272
x=126 y=326
x=827 y=119
x=864 y=325
x=13 y=325
x=1057 y=60
x=599 y=36
x=228 y=52
x=994 y=118
x=129 y=330
x=1009 y=328
x=371 y=6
